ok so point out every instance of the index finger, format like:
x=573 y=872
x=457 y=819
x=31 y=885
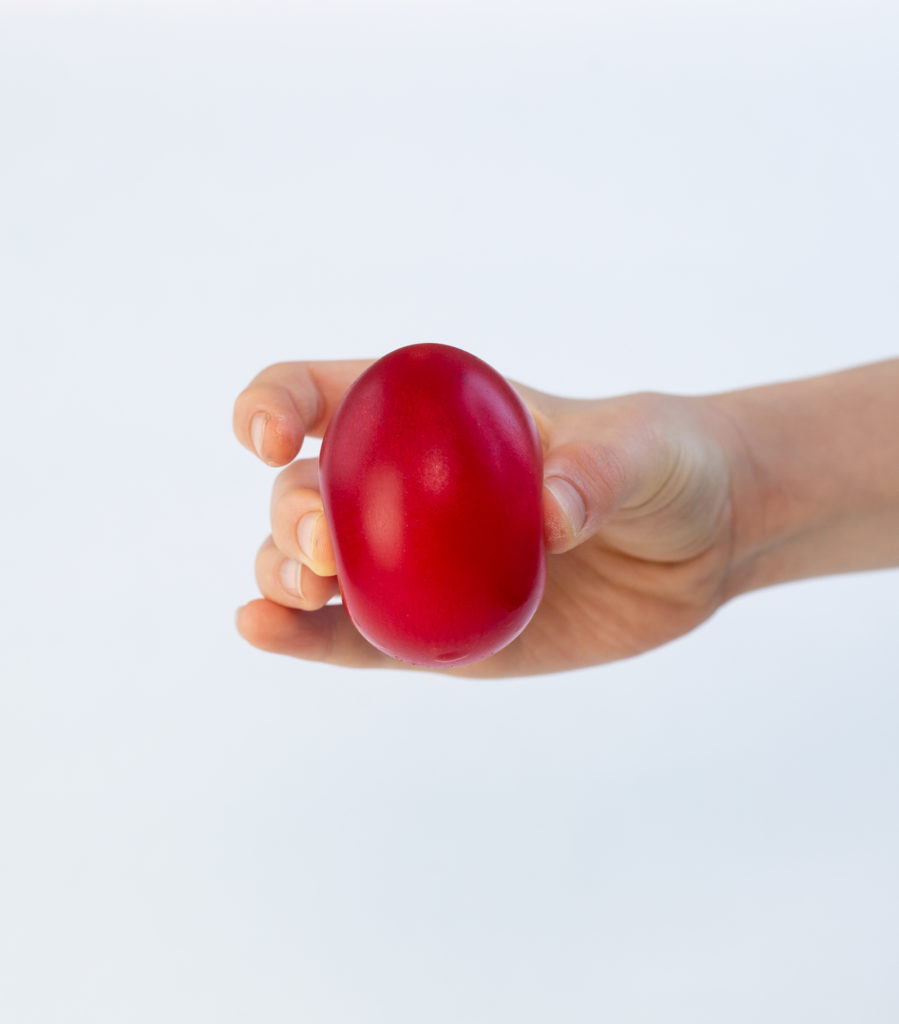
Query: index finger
x=288 y=401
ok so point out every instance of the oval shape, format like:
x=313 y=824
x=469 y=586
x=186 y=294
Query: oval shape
x=431 y=477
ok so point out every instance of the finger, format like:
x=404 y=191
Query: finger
x=615 y=461
x=601 y=457
x=328 y=635
x=583 y=486
x=289 y=582
x=325 y=635
x=288 y=401
x=298 y=521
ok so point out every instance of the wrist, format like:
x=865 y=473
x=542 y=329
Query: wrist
x=814 y=476
x=766 y=510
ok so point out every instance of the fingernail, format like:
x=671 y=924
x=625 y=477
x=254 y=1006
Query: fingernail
x=257 y=431
x=571 y=503
x=290 y=574
x=306 y=533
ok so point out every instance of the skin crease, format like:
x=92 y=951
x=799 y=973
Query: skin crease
x=657 y=509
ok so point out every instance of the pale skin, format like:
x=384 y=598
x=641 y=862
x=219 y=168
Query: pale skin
x=657 y=508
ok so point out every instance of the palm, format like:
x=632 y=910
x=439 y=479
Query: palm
x=601 y=605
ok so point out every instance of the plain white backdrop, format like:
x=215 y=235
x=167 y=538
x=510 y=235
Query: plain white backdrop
x=596 y=199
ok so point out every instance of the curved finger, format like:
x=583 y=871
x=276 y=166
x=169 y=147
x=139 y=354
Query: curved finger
x=288 y=401
x=299 y=527
x=325 y=635
x=289 y=582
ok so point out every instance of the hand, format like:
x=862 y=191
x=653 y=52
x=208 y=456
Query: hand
x=638 y=516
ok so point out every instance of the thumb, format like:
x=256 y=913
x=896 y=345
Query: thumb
x=584 y=485
x=647 y=461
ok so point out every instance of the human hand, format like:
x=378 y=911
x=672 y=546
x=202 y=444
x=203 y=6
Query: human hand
x=638 y=511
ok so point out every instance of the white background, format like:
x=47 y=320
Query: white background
x=596 y=199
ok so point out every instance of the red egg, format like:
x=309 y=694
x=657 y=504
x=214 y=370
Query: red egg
x=431 y=478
